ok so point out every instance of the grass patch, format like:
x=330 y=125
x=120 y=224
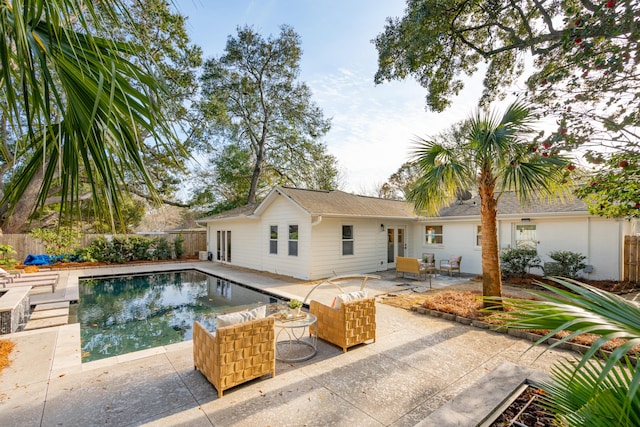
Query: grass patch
x=6 y=346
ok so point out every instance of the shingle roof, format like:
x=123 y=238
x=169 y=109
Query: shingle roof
x=339 y=203
x=508 y=204
x=241 y=211
x=331 y=203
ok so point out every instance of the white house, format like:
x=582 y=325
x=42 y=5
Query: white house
x=311 y=234
x=545 y=226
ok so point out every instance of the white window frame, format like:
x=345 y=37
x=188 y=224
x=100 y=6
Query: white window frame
x=516 y=240
x=291 y=241
x=272 y=240
x=347 y=241
x=477 y=233
x=434 y=235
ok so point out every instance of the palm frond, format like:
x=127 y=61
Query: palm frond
x=588 y=391
x=444 y=171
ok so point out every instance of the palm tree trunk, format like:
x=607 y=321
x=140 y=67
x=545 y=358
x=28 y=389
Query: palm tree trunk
x=491 y=276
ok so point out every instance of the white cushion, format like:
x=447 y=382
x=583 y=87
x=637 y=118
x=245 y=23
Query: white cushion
x=4 y=272
x=350 y=296
x=241 y=316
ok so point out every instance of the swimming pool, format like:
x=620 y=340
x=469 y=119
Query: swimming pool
x=122 y=314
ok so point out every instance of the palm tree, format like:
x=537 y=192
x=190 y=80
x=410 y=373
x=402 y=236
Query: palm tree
x=75 y=102
x=491 y=154
x=592 y=391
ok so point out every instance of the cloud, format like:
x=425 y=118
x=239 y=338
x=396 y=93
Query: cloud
x=373 y=127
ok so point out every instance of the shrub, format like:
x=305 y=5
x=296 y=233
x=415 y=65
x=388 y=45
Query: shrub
x=5 y=260
x=177 y=246
x=161 y=248
x=517 y=262
x=58 y=241
x=567 y=264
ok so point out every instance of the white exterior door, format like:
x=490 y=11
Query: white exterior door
x=396 y=244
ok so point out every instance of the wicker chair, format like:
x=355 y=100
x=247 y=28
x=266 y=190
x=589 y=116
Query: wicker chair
x=235 y=354
x=353 y=323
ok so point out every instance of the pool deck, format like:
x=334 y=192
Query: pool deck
x=420 y=371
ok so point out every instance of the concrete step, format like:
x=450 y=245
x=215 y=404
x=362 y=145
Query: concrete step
x=46 y=322
x=51 y=306
x=43 y=314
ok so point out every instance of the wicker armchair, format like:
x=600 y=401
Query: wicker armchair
x=235 y=354
x=353 y=323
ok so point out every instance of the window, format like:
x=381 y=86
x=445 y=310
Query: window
x=273 y=239
x=433 y=234
x=293 y=240
x=478 y=235
x=526 y=237
x=347 y=240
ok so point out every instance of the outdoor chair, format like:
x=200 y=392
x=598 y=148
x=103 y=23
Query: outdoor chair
x=353 y=323
x=8 y=280
x=429 y=259
x=350 y=320
x=450 y=265
x=235 y=354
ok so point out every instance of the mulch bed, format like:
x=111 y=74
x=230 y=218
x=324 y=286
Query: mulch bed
x=6 y=346
x=613 y=286
x=525 y=410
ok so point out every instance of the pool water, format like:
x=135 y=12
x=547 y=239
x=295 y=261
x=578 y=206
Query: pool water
x=122 y=314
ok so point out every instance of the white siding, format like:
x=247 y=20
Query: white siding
x=244 y=252
x=369 y=248
x=600 y=240
x=284 y=213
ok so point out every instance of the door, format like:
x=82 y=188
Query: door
x=223 y=243
x=396 y=244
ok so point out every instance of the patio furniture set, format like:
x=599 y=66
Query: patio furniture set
x=427 y=266
x=247 y=344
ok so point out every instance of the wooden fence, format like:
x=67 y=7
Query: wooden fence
x=631 y=256
x=23 y=244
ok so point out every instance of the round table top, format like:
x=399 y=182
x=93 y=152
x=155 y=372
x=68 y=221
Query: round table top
x=299 y=322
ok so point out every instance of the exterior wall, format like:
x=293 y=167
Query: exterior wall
x=283 y=213
x=244 y=252
x=370 y=247
x=600 y=240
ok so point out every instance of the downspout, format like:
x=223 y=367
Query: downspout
x=317 y=221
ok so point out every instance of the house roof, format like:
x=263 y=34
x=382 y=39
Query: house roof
x=339 y=203
x=508 y=204
x=239 y=212
x=326 y=203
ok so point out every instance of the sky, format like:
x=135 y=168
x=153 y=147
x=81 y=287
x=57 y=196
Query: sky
x=373 y=126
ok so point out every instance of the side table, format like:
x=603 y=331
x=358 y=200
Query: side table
x=293 y=342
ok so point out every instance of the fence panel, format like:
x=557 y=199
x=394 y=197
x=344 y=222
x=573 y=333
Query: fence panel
x=24 y=244
x=631 y=256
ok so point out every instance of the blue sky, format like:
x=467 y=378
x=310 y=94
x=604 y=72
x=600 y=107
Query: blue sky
x=372 y=126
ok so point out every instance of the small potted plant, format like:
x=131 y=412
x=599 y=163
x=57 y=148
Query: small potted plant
x=294 y=307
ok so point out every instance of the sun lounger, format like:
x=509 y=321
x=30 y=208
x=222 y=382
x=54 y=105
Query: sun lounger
x=14 y=282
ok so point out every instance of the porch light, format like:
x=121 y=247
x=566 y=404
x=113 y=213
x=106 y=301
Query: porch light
x=525 y=219
x=381 y=227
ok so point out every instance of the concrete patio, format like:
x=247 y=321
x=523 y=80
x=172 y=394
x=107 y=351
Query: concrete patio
x=411 y=375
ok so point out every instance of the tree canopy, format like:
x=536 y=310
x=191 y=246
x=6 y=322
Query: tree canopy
x=251 y=97
x=582 y=70
x=89 y=95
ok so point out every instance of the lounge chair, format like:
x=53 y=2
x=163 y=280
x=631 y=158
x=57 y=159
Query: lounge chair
x=235 y=354
x=353 y=322
x=13 y=281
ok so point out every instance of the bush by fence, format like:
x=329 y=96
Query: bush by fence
x=23 y=244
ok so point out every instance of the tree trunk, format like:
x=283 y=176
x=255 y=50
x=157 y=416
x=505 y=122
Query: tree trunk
x=491 y=275
x=14 y=223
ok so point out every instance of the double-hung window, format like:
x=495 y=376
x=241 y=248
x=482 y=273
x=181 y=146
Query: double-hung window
x=273 y=239
x=347 y=240
x=293 y=240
